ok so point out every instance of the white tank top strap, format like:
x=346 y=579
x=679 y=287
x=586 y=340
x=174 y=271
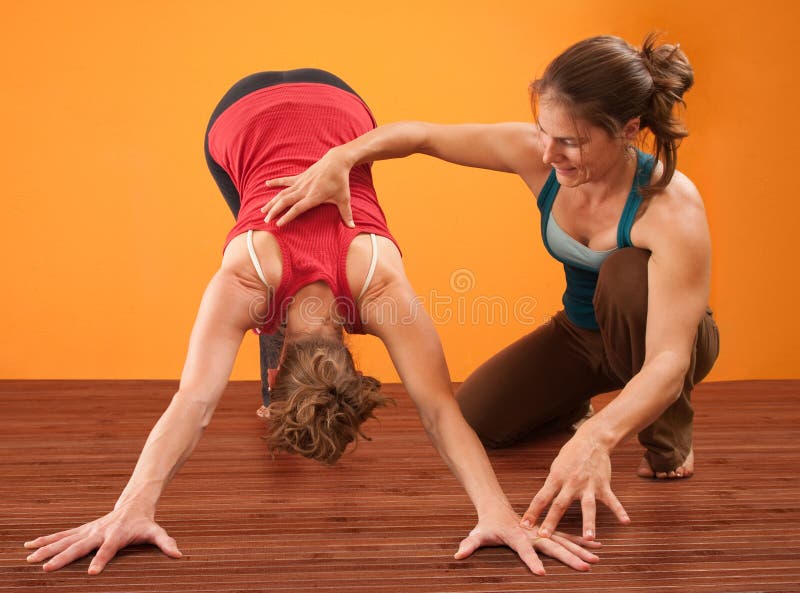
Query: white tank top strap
x=254 y=257
x=372 y=265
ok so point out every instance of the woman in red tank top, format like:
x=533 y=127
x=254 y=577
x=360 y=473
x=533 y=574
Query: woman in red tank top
x=316 y=278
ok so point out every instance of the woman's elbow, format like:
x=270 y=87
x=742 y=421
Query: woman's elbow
x=193 y=408
x=673 y=369
x=435 y=416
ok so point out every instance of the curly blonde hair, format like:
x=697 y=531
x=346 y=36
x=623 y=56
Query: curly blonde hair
x=319 y=400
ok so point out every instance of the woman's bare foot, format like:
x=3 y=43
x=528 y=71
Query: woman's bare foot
x=684 y=471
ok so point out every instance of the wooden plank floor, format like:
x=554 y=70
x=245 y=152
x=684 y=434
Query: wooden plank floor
x=389 y=517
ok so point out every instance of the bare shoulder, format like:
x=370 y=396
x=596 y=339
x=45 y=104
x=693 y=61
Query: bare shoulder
x=676 y=215
x=528 y=162
x=524 y=142
x=236 y=260
x=682 y=194
x=388 y=268
x=389 y=294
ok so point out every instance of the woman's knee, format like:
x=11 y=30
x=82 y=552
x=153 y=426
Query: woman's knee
x=707 y=347
x=476 y=409
x=622 y=283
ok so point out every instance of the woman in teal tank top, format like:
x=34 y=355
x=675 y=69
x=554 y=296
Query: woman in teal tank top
x=632 y=234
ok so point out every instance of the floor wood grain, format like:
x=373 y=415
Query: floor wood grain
x=388 y=517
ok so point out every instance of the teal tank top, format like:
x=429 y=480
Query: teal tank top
x=581 y=264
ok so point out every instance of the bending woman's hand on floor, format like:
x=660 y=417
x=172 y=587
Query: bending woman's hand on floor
x=325 y=182
x=504 y=529
x=581 y=471
x=121 y=527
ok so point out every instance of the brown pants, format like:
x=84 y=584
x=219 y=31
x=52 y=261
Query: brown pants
x=544 y=381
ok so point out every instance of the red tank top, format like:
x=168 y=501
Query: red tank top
x=280 y=131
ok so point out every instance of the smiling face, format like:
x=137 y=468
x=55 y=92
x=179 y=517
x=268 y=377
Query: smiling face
x=579 y=151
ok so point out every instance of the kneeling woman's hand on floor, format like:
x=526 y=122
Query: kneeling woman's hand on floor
x=121 y=527
x=581 y=471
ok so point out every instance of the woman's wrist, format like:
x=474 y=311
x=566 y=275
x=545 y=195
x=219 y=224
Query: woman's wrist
x=492 y=504
x=345 y=155
x=599 y=433
x=141 y=501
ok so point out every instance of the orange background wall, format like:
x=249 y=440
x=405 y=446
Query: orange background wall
x=111 y=224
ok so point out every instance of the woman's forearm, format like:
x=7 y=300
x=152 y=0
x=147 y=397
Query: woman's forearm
x=224 y=316
x=462 y=451
x=221 y=322
x=389 y=141
x=169 y=445
x=645 y=397
x=418 y=356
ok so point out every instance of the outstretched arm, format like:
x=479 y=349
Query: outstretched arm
x=415 y=349
x=221 y=322
x=508 y=147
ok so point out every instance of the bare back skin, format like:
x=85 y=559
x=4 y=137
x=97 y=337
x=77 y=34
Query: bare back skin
x=359 y=257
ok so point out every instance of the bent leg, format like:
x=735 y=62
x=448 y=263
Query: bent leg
x=621 y=307
x=541 y=382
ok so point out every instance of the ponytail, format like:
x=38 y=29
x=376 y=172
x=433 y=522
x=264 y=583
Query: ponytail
x=672 y=77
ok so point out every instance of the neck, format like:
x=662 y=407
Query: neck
x=311 y=313
x=615 y=181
